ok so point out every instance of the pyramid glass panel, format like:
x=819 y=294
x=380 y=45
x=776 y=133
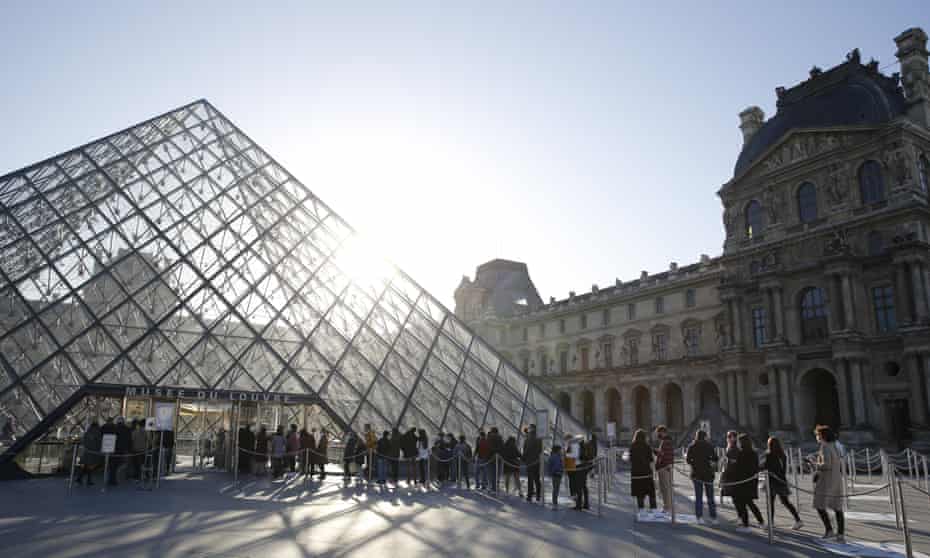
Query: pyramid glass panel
x=178 y=254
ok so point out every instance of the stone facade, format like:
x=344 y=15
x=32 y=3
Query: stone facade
x=818 y=310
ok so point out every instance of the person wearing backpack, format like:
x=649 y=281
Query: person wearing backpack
x=555 y=468
x=463 y=457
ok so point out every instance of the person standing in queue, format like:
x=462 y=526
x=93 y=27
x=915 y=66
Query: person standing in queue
x=828 y=483
x=776 y=465
x=746 y=491
x=423 y=456
x=532 y=454
x=665 y=459
x=260 y=451
x=703 y=459
x=322 y=452
x=642 y=484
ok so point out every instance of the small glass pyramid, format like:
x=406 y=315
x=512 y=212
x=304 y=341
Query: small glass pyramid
x=177 y=253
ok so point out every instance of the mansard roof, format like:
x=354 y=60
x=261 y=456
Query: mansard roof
x=850 y=94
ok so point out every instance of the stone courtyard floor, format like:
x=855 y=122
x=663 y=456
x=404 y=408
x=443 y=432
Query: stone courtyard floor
x=200 y=514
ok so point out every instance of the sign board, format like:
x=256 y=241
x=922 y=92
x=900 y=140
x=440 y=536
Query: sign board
x=611 y=430
x=164 y=416
x=150 y=424
x=542 y=423
x=108 y=444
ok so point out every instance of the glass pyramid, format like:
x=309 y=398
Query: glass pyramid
x=177 y=253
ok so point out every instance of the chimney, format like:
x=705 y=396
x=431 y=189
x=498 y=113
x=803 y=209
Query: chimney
x=750 y=120
x=912 y=54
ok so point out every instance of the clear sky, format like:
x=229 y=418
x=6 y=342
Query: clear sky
x=584 y=138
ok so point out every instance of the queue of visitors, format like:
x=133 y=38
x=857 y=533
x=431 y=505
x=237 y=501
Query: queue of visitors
x=739 y=478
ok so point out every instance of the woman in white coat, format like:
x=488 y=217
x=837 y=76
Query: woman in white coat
x=828 y=483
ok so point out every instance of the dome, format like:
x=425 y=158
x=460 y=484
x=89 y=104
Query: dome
x=850 y=94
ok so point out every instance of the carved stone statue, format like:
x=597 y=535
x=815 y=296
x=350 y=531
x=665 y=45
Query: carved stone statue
x=899 y=163
x=838 y=243
x=838 y=184
x=774 y=204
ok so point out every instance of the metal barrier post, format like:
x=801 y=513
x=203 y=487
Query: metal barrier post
x=106 y=468
x=894 y=495
x=671 y=488
x=926 y=474
x=73 y=464
x=542 y=480
x=797 y=492
x=600 y=486
x=497 y=472
x=770 y=507
x=910 y=467
x=868 y=461
x=907 y=530
x=161 y=451
x=371 y=463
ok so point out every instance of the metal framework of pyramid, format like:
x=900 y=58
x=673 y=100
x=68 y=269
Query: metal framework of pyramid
x=178 y=253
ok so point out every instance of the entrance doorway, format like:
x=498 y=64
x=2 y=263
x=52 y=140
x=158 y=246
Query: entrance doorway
x=898 y=419
x=708 y=395
x=820 y=401
x=643 y=408
x=674 y=408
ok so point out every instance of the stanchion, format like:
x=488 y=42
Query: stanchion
x=106 y=468
x=371 y=453
x=542 y=480
x=73 y=464
x=236 y=458
x=600 y=486
x=497 y=471
x=894 y=496
x=907 y=530
x=671 y=488
x=910 y=468
x=770 y=507
x=926 y=474
x=868 y=461
x=797 y=493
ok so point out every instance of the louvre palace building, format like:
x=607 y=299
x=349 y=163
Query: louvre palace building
x=818 y=309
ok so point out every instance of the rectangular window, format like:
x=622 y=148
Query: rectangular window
x=562 y=325
x=526 y=365
x=690 y=298
x=543 y=364
x=563 y=362
x=605 y=317
x=584 y=359
x=758 y=326
x=660 y=305
x=584 y=321
x=631 y=311
x=526 y=334
x=692 y=341
x=660 y=346
x=632 y=351
x=883 y=300
x=542 y=330
x=607 y=349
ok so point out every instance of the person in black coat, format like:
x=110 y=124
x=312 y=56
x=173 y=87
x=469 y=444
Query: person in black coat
x=727 y=478
x=702 y=457
x=511 y=458
x=409 y=448
x=776 y=465
x=123 y=447
x=497 y=445
x=395 y=449
x=246 y=446
x=348 y=454
x=260 y=445
x=747 y=491
x=110 y=428
x=532 y=455
x=641 y=475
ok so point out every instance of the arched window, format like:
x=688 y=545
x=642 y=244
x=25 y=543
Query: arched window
x=923 y=169
x=813 y=315
x=807 y=202
x=876 y=243
x=871 y=184
x=753 y=219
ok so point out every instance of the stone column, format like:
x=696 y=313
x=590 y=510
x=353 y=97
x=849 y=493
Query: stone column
x=774 y=405
x=600 y=408
x=915 y=371
x=741 y=397
x=738 y=325
x=858 y=391
x=902 y=300
x=785 y=396
x=779 y=314
x=917 y=288
x=731 y=321
x=690 y=401
x=849 y=312
x=842 y=384
x=657 y=404
x=731 y=396
x=577 y=405
x=626 y=406
x=836 y=319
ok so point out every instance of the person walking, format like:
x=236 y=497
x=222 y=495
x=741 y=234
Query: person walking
x=776 y=466
x=641 y=474
x=532 y=454
x=511 y=456
x=571 y=456
x=746 y=491
x=423 y=456
x=702 y=458
x=497 y=446
x=463 y=458
x=828 y=484
x=727 y=478
x=278 y=451
x=665 y=459
x=556 y=468
x=246 y=446
x=121 y=462
x=260 y=455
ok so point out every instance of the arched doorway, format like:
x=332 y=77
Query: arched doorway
x=708 y=395
x=565 y=402
x=614 y=409
x=820 y=400
x=643 y=408
x=674 y=407
x=587 y=409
